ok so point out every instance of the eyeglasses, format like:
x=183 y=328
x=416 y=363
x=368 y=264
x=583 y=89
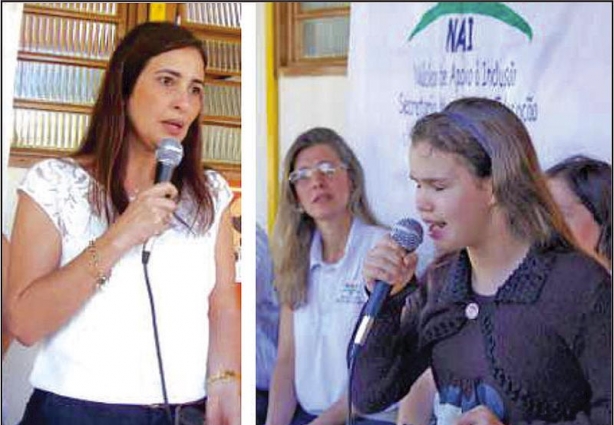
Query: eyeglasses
x=327 y=169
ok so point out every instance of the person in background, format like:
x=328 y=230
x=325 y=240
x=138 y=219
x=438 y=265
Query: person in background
x=513 y=318
x=582 y=188
x=323 y=229
x=81 y=222
x=267 y=323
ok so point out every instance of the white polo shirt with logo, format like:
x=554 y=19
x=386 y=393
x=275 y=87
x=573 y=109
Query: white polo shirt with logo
x=324 y=325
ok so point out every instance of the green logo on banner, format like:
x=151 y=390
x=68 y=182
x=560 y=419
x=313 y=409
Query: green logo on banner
x=495 y=10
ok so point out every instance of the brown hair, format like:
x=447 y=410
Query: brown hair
x=494 y=143
x=106 y=134
x=591 y=181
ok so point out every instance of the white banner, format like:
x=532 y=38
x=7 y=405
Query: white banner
x=550 y=62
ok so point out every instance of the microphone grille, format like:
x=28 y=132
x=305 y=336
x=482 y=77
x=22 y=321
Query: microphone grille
x=169 y=152
x=408 y=233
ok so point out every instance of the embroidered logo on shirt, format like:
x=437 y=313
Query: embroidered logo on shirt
x=351 y=293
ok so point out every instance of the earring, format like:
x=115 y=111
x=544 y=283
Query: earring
x=299 y=209
x=353 y=203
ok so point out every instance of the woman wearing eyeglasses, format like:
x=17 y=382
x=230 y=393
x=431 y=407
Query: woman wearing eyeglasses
x=324 y=228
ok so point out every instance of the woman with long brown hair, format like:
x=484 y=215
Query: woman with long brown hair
x=514 y=319
x=124 y=338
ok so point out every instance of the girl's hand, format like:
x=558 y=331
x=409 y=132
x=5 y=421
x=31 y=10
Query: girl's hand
x=388 y=262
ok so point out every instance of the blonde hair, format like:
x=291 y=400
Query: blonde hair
x=494 y=143
x=293 y=230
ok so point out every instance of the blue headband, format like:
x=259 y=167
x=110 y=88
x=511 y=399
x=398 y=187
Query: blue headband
x=466 y=125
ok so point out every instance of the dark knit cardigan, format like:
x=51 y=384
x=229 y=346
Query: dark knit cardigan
x=547 y=339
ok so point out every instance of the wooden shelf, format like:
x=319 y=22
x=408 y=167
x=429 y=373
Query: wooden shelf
x=74 y=14
x=329 y=12
x=27 y=157
x=65 y=60
x=212 y=32
x=219 y=74
x=222 y=121
x=42 y=105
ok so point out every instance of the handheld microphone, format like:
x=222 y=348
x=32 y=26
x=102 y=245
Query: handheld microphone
x=407 y=233
x=169 y=155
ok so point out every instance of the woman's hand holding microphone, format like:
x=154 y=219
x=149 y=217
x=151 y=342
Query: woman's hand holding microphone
x=148 y=215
